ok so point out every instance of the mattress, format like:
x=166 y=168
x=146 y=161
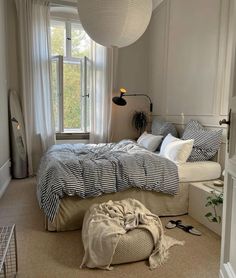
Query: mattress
x=92 y=170
x=199 y=171
x=72 y=209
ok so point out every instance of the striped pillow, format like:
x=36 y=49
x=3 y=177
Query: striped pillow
x=206 y=142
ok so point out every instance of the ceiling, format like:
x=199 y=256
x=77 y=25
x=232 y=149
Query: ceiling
x=155 y=2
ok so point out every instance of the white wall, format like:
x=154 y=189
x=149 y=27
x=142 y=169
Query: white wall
x=179 y=62
x=187 y=43
x=187 y=53
x=4 y=131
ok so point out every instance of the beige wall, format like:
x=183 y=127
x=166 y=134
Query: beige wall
x=4 y=137
x=132 y=73
x=4 y=129
x=156 y=3
x=13 y=65
x=9 y=76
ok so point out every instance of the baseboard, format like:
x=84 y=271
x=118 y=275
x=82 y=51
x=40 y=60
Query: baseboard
x=226 y=271
x=221 y=275
x=5 y=177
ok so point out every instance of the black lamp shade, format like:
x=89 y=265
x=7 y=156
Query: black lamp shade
x=122 y=102
x=119 y=101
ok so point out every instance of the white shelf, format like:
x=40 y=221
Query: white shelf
x=211 y=185
x=198 y=193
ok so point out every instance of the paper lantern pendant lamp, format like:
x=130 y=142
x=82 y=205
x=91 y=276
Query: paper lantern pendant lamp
x=115 y=22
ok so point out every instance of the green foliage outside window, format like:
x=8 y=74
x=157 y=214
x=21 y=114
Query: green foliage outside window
x=80 y=47
x=79 y=42
x=55 y=103
x=58 y=39
x=72 y=96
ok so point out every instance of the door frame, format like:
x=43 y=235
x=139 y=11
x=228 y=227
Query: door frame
x=226 y=270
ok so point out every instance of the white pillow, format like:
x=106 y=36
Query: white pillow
x=142 y=137
x=176 y=149
x=168 y=139
x=149 y=141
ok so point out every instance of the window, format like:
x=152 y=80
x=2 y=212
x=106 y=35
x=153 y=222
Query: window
x=70 y=49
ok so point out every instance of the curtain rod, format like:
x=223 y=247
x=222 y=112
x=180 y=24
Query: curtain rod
x=63 y=3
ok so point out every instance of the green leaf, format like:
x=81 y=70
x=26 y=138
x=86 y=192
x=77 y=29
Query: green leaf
x=209 y=214
x=214 y=219
x=214 y=201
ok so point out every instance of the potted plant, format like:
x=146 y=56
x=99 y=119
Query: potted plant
x=140 y=121
x=213 y=201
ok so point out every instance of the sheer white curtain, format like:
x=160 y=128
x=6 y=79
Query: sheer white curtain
x=33 y=24
x=104 y=62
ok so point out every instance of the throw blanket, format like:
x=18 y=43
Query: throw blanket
x=105 y=223
x=91 y=170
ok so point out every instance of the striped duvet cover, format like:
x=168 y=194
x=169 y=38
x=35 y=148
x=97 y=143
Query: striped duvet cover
x=91 y=170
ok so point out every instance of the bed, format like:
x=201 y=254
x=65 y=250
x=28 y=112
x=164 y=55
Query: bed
x=71 y=205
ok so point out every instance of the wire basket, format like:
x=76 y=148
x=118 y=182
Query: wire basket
x=8 y=252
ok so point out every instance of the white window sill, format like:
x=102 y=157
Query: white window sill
x=72 y=136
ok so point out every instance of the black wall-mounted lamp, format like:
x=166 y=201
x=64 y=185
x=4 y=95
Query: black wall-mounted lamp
x=121 y=101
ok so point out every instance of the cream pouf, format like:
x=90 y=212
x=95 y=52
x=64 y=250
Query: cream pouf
x=135 y=245
x=123 y=231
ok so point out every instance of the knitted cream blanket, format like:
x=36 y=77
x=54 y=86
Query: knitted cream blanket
x=105 y=223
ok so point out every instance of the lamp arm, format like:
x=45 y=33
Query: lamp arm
x=136 y=95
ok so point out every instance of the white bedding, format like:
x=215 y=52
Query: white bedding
x=199 y=171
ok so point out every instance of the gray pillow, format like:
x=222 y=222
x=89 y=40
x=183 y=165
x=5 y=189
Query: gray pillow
x=206 y=142
x=163 y=128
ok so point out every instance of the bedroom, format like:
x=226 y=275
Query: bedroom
x=183 y=63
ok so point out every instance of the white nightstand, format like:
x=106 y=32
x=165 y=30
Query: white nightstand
x=198 y=192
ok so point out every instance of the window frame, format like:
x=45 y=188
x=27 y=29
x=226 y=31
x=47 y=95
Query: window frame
x=63 y=133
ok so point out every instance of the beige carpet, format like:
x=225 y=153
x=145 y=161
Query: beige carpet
x=43 y=254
